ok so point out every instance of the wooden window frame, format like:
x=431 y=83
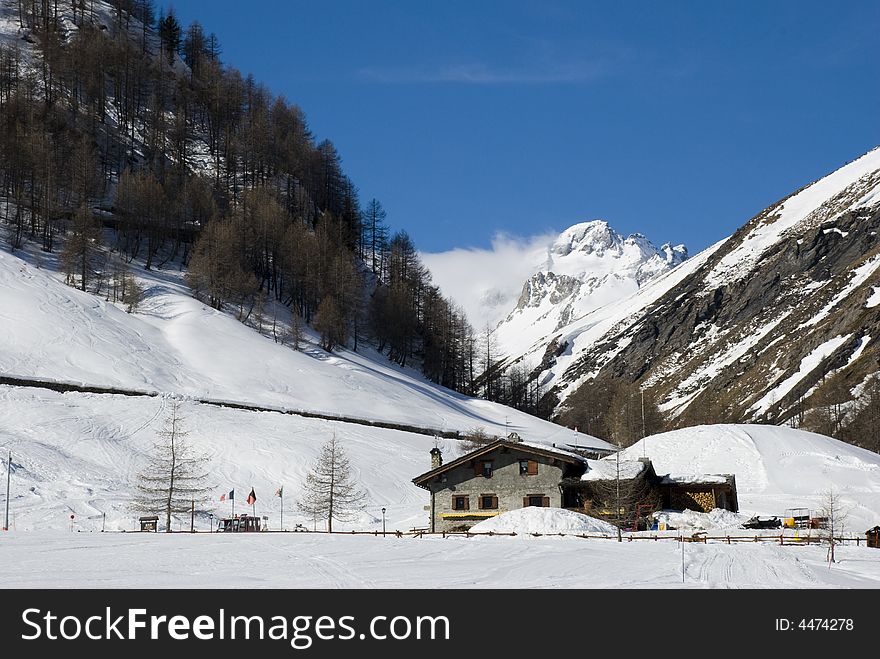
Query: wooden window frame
x=531 y=467
x=467 y=502
x=494 y=498
x=527 y=500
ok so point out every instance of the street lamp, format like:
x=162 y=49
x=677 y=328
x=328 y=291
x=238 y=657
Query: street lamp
x=383 y=522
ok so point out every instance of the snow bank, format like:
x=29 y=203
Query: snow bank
x=691 y=519
x=775 y=468
x=543 y=520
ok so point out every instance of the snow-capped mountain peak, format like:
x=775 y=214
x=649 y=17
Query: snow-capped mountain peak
x=587 y=266
x=593 y=237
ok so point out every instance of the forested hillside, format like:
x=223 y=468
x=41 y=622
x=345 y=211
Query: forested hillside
x=124 y=138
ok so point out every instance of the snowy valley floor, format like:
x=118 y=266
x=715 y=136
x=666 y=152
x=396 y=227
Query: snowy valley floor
x=304 y=560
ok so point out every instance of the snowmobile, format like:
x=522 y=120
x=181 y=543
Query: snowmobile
x=763 y=523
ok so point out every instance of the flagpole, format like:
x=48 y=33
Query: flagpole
x=282 y=509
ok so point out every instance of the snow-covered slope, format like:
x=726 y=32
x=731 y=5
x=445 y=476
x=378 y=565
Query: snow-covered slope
x=749 y=328
x=775 y=467
x=78 y=453
x=177 y=345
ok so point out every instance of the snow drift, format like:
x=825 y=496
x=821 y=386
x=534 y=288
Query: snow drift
x=775 y=467
x=543 y=520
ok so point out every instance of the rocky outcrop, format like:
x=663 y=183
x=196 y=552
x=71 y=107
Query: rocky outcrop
x=757 y=331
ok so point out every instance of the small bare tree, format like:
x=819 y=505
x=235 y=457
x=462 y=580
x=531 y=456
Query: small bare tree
x=476 y=438
x=295 y=328
x=330 y=491
x=835 y=514
x=134 y=294
x=174 y=479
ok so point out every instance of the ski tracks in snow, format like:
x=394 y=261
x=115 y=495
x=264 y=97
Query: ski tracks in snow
x=731 y=566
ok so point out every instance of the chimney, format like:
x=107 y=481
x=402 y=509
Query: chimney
x=436 y=458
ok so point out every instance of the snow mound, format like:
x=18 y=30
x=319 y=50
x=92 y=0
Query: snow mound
x=543 y=520
x=691 y=519
x=775 y=467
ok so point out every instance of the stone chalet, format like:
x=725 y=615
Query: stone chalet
x=507 y=474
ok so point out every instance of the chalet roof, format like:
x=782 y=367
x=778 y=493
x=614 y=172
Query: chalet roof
x=525 y=447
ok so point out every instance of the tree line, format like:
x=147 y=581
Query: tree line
x=134 y=142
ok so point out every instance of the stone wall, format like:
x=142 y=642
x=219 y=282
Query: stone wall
x=506 y=483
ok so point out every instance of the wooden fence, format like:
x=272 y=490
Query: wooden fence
x=704 y=538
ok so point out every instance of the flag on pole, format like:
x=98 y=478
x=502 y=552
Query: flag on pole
x=252 y=497
x=279 y=492
x=228 y=497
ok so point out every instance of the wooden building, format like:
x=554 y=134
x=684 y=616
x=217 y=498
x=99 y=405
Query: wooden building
x=700 y=493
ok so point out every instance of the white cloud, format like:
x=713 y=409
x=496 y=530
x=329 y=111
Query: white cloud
x=487 y=282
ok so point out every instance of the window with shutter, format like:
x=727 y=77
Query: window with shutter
x=537 y=500
x=528 y=467
x=488 y=502
x=460 y=503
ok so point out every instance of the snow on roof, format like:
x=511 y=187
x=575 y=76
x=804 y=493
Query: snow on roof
x=549 y=447
x=606 y=469
x=695 y=479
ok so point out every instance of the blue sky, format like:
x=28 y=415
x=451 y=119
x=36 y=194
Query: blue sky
x=679 y=120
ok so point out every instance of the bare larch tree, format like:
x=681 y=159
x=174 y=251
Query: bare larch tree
x=330 y=491
x=835 y=513
x=174 y=480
